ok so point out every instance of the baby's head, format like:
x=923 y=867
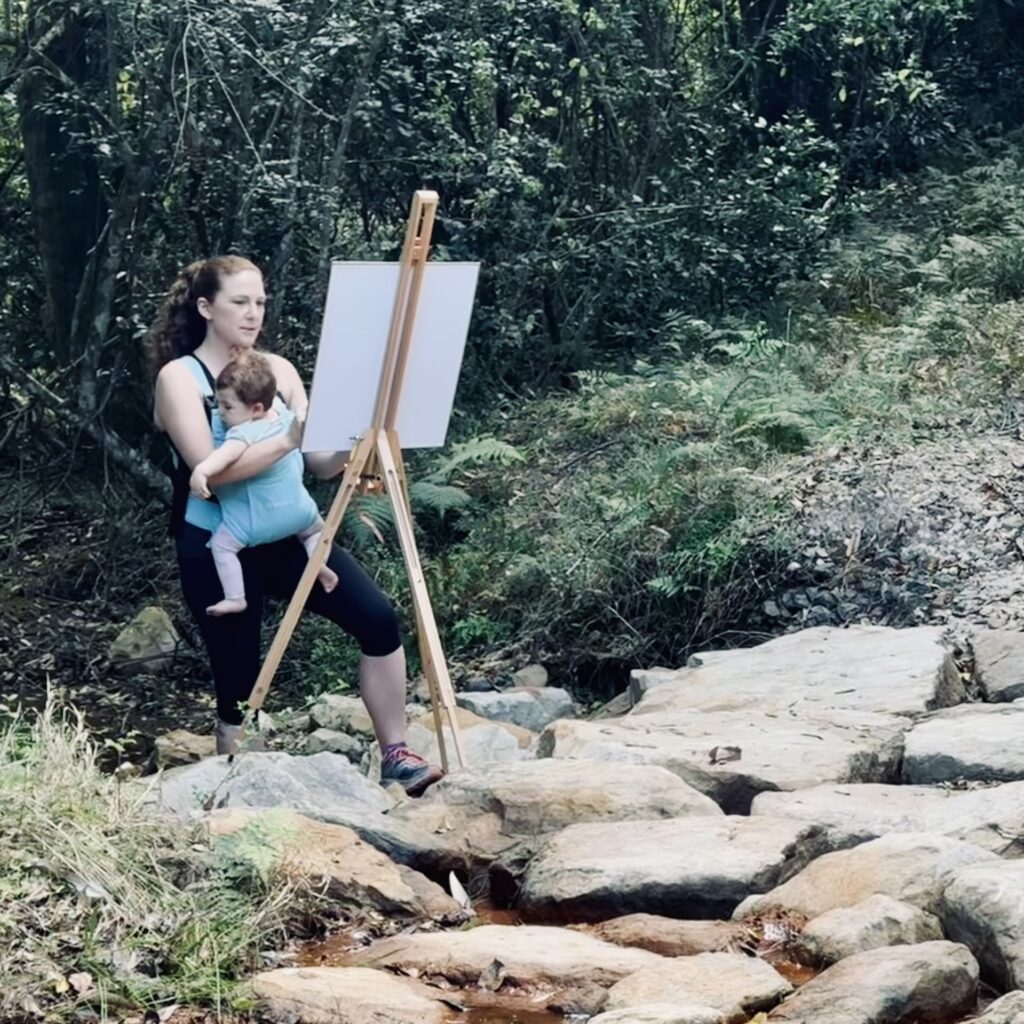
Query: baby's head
x=245 y=388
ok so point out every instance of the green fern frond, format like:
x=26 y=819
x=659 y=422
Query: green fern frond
x=369 y=519
x=438 y=498
x=477 y=450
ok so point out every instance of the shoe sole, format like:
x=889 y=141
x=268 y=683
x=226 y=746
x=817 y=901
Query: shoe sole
x=420 y=786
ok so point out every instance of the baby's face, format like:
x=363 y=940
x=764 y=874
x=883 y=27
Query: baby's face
x=233 y=411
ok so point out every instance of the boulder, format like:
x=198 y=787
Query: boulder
x=643 y=679
x=999 y=664
x=179 y=746
x=990 y=818
x=332 y=858
x=147 y=644
x=912 y=867
x=346 y=995
x=528 y=707
x=335 y=742
x=342 y=713
x=983 y=907
x=871 y=924
x=1007 y=1010
x=734 y=755
x=735 y=985
x=931 y=981
x=488 y=804
x=660 y=1013
x=973 y=741
x=312 y=785
x=530 y=956
x=483 y=741
x=530 y=676
x=697 y=867
x=667 y=936
x=861 y=668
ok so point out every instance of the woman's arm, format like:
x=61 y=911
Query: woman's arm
x=323 y=465
x=178 y=411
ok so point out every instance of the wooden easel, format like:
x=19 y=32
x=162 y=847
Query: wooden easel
x=374 y=463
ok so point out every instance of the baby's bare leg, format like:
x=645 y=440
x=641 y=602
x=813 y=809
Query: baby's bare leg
x=310 y=538
x=224 y=547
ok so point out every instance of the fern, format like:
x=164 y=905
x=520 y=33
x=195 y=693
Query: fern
x=476 y=451
x=439 y=499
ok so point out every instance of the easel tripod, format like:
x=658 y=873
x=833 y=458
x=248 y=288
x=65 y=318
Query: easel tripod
x=374 y=462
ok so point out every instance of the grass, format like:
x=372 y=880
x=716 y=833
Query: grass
x=105 y=903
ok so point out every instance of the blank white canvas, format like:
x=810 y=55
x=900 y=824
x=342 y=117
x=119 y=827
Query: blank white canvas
x=353 y=341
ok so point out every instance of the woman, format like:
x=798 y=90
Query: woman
x=215 y=307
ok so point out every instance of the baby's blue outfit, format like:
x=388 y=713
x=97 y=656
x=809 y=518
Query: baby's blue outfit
x=274 y=504
x=258 y=507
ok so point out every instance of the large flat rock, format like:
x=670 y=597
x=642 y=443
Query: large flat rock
x=531 y=955
x=486 y=805
x=333 y=859
x=735 y=985
x=312 y=785
x=974 y=741
x=999 y=664
x=912 y=867
x=668 y=936
x=698 y=867
x=991 y=818
x=931 y=981
x=863 y=668
x=983 y=907
x=660 y=1013
x=529 y=707
x=346 y=995
x=733 y=755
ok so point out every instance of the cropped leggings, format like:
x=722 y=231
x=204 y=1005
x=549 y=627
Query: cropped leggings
x=233 y=641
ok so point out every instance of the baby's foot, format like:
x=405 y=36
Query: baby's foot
x=328 y=578
x=230 y=605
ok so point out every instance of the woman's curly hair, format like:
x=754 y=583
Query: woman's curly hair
x=180 y=328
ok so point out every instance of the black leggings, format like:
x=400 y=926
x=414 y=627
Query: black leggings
x=233 y=641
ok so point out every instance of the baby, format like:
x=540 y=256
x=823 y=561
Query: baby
x=267 y=507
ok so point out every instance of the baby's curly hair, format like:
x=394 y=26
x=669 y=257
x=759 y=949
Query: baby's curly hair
x=249 y=375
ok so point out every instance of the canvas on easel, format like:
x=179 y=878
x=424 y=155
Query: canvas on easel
x=388 y=364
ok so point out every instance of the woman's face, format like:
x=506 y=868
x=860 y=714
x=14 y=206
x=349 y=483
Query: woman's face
x=235 y=314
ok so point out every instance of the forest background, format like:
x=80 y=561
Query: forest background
x=715 y=236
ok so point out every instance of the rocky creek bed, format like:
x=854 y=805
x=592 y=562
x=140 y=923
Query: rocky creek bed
x=826 y=827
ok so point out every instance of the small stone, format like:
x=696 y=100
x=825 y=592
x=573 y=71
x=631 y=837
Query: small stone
x=336 y=743
x=146 y=644
x=180 y=747
x=532 y=675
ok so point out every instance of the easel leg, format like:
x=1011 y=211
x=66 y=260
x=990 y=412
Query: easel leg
x=350 y=481
x=442 y=697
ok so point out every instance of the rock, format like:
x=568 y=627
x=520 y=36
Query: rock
x=147 y=644
x=1007 y=1010
x=698 y=867
x=991 y=818
x=875 y=922
x=532 y=955
x=660 y=1013
x=983 y=907
x=912 y=867
x=735 y=985
x=333 y=858
x=334 y=742
x=643 y=679
x=666 y=936
x=528 y=708
x=999 y=664
x=974 y=741
x=531 y=676
x=776 y=749
x=346 y=995
x=931 y=981
x=342 y=713
x=179 y=746
x=483 y=741
x=312 y=785
x=584 y=1001
x=861 y=668
x=614 y=708
x=489 y=804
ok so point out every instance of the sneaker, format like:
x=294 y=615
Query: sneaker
x=409 y=770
